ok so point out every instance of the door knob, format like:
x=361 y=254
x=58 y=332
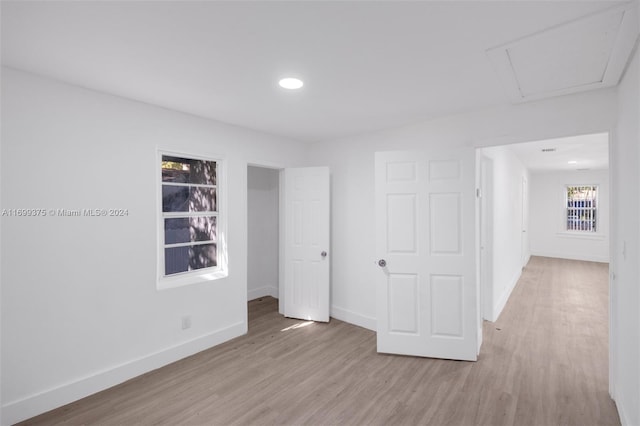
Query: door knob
x=382 y=263
x=323 y=254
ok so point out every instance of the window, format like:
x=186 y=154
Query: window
x=190 y=222
x=581 y=207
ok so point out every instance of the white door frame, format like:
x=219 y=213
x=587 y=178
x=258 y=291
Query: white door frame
x=524 y=241
x=279 y=168
x=275 y=224
x=485 y=239
x=281 y=228
x=613 y=258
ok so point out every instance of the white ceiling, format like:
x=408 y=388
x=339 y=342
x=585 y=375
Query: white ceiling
x=366 y=65
x=589 y=152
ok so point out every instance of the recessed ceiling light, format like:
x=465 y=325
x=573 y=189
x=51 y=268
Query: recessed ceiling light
x=291 y=83
x=572 y=162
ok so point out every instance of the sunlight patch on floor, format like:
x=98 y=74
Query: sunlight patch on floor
x=298 y=325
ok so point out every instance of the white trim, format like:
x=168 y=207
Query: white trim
x=170 y=215
x=192 y=243
x=613 y=330
x=354 y=318
x=265 y=165
x=201 y=275
x=566 y=208
x=584 y=235
x=197 y=185
x=572 y=256
x=612 y=344
x=16 y=411
x=622 y=413
x=282 y=224
x=504 y=298
x=267 y=290
x=281 y=227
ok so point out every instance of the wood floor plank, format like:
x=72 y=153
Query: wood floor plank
x=544 y=362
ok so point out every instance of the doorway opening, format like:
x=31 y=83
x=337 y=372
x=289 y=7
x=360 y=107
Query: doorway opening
x=533 y=211
x=263 y=235
x=528 y=211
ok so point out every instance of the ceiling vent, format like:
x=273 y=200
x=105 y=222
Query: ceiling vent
x=585 y=54
x=548 y=149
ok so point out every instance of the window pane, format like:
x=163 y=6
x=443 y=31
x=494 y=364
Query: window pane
x=581 y=208
x=203 y=256
x=176 y=230
x=188 y=199
x=189 y=229
x=203 y=228
x=202 y=199
x=203 y=172
x=176 y=259
x=175 y=169
x=175 y=198
x=185 y=170
x=183 y=259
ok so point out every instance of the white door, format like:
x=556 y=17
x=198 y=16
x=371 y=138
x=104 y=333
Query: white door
x=525 y=222
x=425 y=228
x=306 y=248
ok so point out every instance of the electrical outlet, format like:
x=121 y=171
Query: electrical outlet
x=186 y=322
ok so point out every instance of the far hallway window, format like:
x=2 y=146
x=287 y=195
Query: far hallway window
x=582 y=208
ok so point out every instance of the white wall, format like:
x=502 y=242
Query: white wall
x=352 y=165
x=1 y=274
x=80 y=309
x=625 y=250
x=507 y=213
x=548 y=236
x=262 y=227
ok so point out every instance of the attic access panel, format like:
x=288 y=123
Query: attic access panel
x=584 y=54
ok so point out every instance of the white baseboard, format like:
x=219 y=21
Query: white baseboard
x=16 y=411
x=573 y=256
x=504 y=298
x=624 y=420
x=268 y=290
x=351 y=317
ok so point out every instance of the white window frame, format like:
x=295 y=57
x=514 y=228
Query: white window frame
x=577 y=233
x=204 y=274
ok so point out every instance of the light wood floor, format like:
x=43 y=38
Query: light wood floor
x=544 y=362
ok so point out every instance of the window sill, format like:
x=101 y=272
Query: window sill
x=165 y=283
x=582 y=235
